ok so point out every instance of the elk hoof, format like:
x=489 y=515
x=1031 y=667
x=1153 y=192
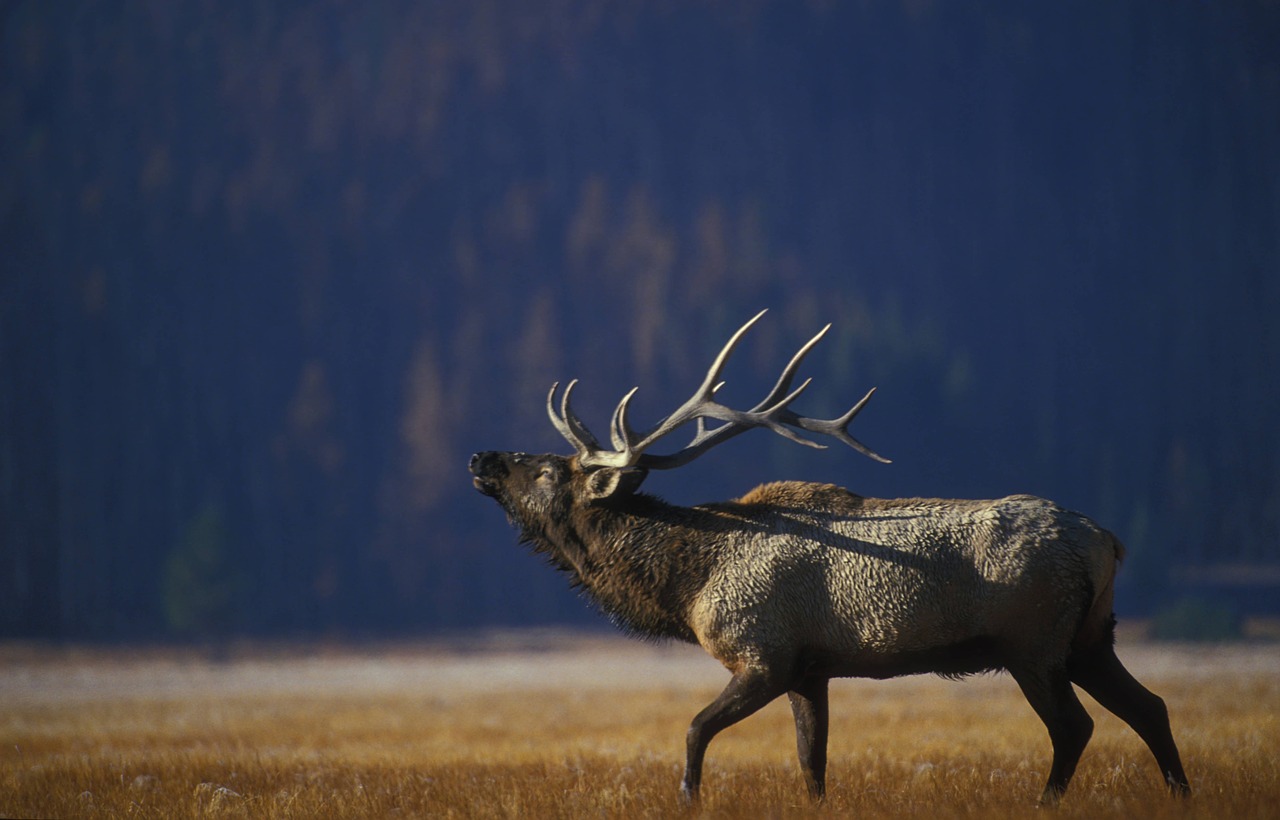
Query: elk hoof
x=688 y=795
x=1050 y=798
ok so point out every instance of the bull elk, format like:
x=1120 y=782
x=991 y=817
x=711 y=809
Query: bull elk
x=796 y=583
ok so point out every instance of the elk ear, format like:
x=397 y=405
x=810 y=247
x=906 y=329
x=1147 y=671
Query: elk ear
x=607 y=482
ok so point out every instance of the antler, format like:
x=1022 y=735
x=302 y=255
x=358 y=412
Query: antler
x=773 y=412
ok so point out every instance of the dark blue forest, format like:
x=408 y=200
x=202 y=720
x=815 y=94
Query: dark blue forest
x=272 y=272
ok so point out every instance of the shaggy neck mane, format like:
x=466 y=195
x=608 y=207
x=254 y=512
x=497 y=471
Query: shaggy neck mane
x=634 y=558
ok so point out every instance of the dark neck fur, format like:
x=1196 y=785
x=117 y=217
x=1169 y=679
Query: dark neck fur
x=640 y=559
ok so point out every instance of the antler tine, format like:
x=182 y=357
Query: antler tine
x=711 y=383
x=619 y=430
x=838 y=428
x=844 y=436
x=789 y=372
x=567 y=424
x=559 y=423
x=579 y=429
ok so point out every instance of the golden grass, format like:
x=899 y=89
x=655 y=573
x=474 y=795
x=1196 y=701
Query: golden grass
x=587 y=727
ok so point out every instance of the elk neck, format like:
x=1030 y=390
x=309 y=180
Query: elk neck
x=640 y=559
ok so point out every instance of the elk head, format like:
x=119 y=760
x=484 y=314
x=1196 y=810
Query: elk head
x=536 y=489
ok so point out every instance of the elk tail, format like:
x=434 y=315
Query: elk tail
x=1117 y=546
x=1099 y=621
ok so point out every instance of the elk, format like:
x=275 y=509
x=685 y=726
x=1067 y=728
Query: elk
x=796 y=583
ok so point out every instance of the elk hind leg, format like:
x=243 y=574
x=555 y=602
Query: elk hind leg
x=1099 y=672
x=1070 y=727
x=809 y=706
x=747 y=693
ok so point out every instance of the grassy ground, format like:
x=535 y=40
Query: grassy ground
x=569 y=727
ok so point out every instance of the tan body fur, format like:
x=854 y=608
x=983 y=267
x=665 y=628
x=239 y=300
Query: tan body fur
x=856 y=583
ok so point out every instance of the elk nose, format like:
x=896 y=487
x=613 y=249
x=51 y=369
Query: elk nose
x=480 y=462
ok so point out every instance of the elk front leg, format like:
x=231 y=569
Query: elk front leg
x=809 y=705
x=1049 y=692
x=747 y=693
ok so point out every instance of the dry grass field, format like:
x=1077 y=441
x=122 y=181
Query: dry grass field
x=563 y=726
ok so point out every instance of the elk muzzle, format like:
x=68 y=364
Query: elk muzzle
x=489 y=469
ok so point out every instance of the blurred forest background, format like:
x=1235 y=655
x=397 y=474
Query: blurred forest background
x=271 y=272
